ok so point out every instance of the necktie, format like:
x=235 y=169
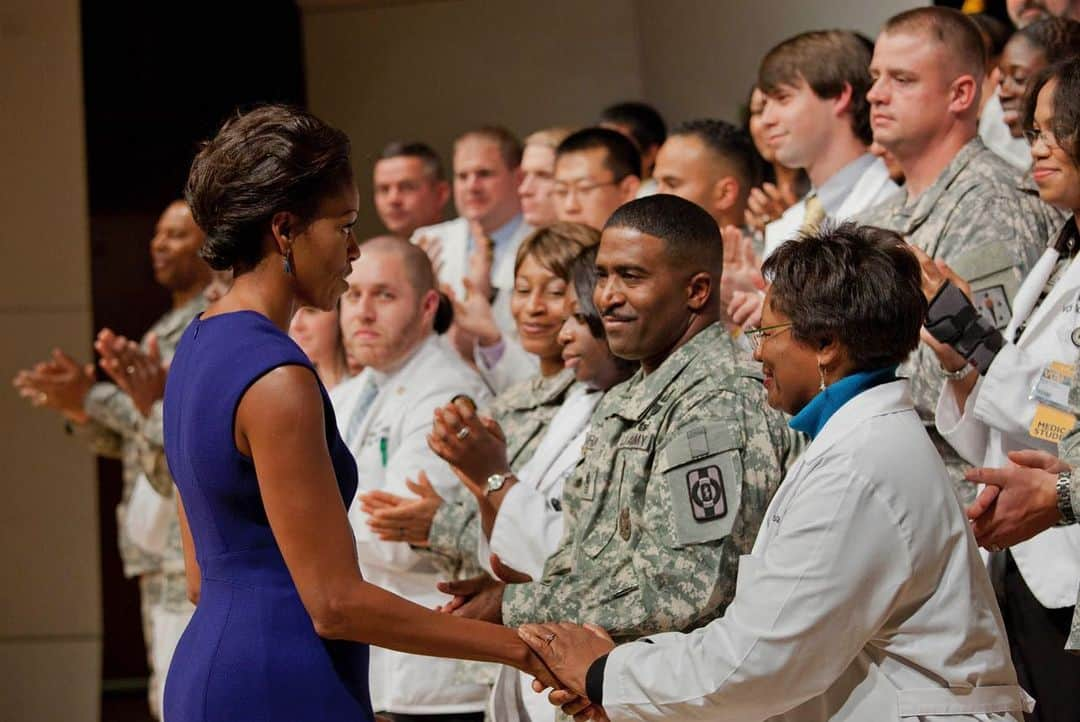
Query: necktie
x=815 y=214
x=363 y=405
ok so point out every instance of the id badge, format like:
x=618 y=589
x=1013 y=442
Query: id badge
x=1052 y=387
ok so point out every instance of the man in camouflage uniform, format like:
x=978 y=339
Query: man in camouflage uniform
x=112 y=424
x=681 y=460
x=962 y=204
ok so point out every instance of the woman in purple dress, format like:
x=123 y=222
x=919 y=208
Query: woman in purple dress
x=283 y=613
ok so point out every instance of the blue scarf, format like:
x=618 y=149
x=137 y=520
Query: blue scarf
x=812 y=419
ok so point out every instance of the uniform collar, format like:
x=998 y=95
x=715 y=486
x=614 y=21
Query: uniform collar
x=178 y=318
x=918 y=209
x=642 y=391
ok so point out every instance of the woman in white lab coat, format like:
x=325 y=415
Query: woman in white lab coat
x=864 y=598
x=1008 y=392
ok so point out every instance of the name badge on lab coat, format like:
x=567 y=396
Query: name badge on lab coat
x=1053 y=416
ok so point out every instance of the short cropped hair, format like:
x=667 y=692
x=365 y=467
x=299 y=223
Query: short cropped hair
x=827 y=60
x=271 y=159
x=583 y=278
x=644 y=122
x=548 y=137
x=1066 y=123
x=433 y=165
x=418 y=272
x=509 y=146
x=948 y=27
x=731 y=145
x=1057 y=38
x=621 y=157
x=859 y=285
x=556 y=246
x=690 y=235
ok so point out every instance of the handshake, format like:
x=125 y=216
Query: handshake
x=574 y=655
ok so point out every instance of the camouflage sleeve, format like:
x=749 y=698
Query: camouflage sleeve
x=113 y=409
x=150 y=444
x=99 y=439
x=706 y=492
x=454 y=529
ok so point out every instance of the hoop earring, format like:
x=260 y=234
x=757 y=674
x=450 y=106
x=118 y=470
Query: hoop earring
x=821 y=372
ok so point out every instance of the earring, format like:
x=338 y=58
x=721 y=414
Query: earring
x=286 y=262
x=821 y=372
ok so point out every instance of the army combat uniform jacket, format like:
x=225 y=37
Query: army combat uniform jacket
x=978 y=219
x=676 y=473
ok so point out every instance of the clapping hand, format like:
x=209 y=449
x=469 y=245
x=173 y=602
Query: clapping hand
x=140 y=374
x=766 y=204
x=432 y=246
x=473 y=445
x=397 y=518
x=59 y=383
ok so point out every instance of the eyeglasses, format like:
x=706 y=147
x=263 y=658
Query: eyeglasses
x=1034 y=135
x=581 y=190
x=757 y=336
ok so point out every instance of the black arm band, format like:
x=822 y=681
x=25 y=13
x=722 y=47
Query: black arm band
x=952 y=320
x=594 y=681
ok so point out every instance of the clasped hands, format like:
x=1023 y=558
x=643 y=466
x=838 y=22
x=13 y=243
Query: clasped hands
x=1018 y=501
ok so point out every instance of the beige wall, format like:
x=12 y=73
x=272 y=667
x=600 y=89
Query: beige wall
x=426 y=70
x=410 y=69
x=50 y=628
x=700 y=57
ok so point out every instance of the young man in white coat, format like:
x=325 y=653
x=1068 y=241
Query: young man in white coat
x=864 y=598
x=388 y=316
x=816 y=117
x=489 y=226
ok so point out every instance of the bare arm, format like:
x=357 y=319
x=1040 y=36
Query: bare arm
x=280 y=424
x=191 y=564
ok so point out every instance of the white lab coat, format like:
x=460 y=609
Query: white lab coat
x=390 y=446
x=454 y=237
x=864 y=598
x=999 y=413
x=513 y=366
x=873 y=187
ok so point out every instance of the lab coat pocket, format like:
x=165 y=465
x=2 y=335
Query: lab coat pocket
x=147 y=517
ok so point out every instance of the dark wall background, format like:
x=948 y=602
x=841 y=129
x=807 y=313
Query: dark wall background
x=159 y=78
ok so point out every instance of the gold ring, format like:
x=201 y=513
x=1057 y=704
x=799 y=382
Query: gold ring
x=550 y=638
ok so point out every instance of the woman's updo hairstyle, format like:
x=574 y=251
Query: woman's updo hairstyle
x=859 y=285
x=271 y=159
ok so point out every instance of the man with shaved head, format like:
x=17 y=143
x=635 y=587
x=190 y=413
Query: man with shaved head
x=389 y=318
x=961 y=203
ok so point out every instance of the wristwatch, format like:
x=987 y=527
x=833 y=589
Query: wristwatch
x=1064 y=498
x=496 y=482
x=959 y=374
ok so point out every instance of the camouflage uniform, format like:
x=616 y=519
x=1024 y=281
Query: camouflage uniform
x=1069 y=451
x=981 y=219
x=675 y=476
x=523 y=412
x=116 y=429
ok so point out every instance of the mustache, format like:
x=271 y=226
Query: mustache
x=610 y=315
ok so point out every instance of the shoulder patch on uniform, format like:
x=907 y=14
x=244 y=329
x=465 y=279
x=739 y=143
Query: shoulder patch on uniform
x=706 y=488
